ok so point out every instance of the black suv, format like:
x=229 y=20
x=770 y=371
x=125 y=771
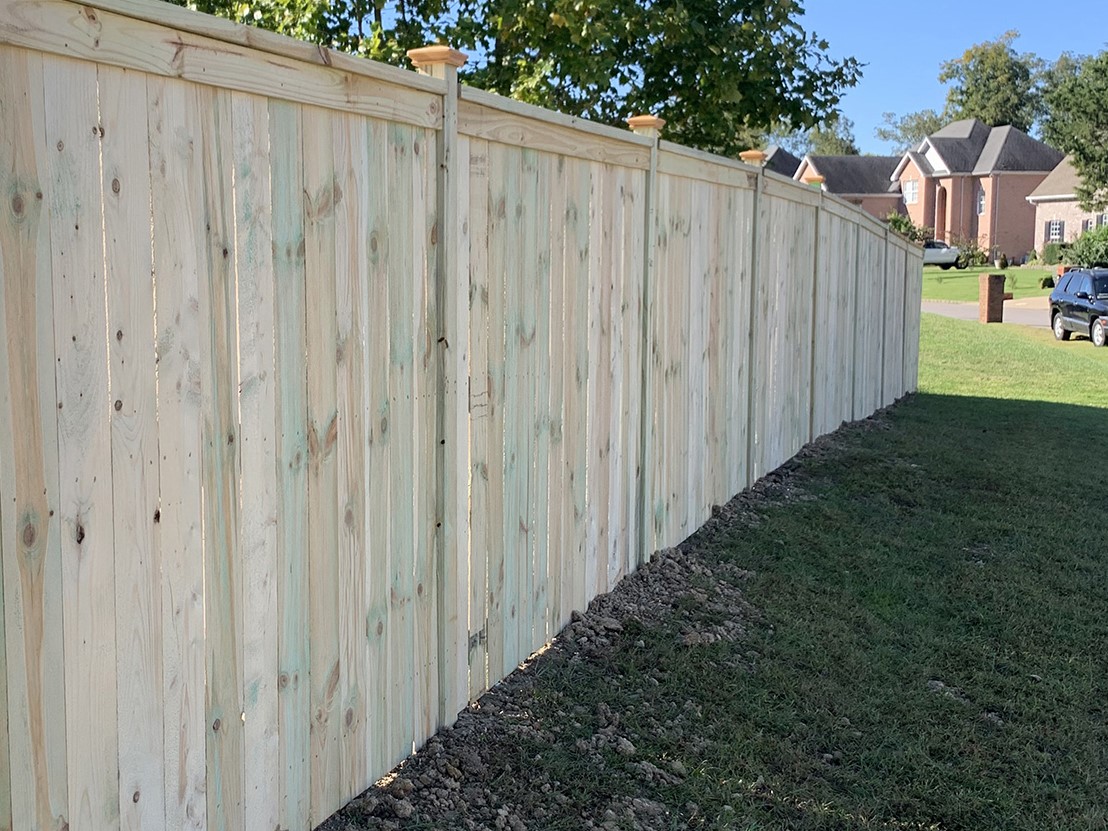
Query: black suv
x=1079 y=303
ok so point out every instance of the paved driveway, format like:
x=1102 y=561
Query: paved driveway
x=1030 y=311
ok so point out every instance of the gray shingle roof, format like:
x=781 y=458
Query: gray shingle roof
x=968 y=146
x=1009 y=149
x=1061 y=182
x=780 y=160
x=856 y=174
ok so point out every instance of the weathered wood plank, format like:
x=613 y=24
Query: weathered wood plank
x=321 y=193
x=30 y=521
x=257 y=403
x=178 y=251
x=134 y=428
x=84 y=442
x=60 y=27
x=557 y=561
x=290 y=394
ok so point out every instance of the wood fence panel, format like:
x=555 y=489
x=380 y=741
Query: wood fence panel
x=128 y=259
x=30 y=516
x=331 y=400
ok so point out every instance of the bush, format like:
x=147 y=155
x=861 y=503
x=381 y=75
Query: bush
x=972 y=252
x=903 y=225
x=1046 y=282
x=1090 y=249
x=1052 y=253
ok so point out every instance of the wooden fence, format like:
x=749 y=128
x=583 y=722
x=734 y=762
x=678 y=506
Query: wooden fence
x=330 y=390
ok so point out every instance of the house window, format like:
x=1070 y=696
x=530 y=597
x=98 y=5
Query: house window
x=1102 y=220
x=1055 y=229
x=980 y=200
x=911 y=191
x=1087 y=225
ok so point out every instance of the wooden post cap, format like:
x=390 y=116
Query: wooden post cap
x=430 y=55
x=814 y=181
x=753 y=157
x=646 y=122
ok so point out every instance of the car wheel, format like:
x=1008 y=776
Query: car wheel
x=1099 y=332
x=1060 y=331
x=960 y=265
x=946 y=266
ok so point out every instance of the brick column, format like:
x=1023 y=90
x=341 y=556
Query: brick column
x=990 y=301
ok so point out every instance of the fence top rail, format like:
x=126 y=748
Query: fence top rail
x=530 y=111
x=218 y=28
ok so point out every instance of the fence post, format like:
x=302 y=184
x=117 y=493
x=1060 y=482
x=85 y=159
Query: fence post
x=450 y=325
x=816 y=183
x=651 y=127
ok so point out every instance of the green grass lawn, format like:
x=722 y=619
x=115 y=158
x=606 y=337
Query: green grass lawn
x=954 y=284
x=925 y=646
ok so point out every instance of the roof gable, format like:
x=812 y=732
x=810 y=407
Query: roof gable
x=1060 y=183
x=1012 y=150
x=780 y=160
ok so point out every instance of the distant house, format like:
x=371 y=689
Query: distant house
x=1058 y=215
x=780 y=160
x=865 y=181
x=972 y=181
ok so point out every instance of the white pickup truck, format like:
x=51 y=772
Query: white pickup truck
x=940 y=254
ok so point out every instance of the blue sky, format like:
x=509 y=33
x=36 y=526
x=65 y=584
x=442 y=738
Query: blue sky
x=903 y=67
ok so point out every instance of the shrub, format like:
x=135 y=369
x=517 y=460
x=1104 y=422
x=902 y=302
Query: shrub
x=1046 y=282
x=1032 y=258
x=903 y=225
x=1052 y=253
x=1090 y=249
x=972 y=252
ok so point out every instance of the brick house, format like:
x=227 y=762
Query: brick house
x=972 y=181
x=1058 y=215
x=865 y=181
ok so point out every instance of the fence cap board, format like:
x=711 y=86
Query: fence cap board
x=218 y=28
x=696 y=166
x=524 y=110
x=504 y=125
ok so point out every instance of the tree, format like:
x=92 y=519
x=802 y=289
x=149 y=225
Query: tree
x=834 y=137
x=1056 y=86
x=908 y=131
x=1077 y=100
x=993 y=83
x=719 y=71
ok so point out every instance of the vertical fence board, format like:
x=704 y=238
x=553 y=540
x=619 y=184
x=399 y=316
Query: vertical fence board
x=321 y=193
x=555 y=346
x=428 y=524
x=219 y=383
x=351 y=278
x=482 y=401
x=290 y=394
x=128 y=259
x=259 y=442
x=378 y=488
x=174 y=114
x=402 y=446
x=31 y=523
x=84 y=442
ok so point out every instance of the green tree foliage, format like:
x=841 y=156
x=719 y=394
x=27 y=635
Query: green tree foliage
x=1076 y=97
x=1090 y=249
x=993 y=83
x=720 y=72
x=833 y=137
x=908 y=131
x=903 y=225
